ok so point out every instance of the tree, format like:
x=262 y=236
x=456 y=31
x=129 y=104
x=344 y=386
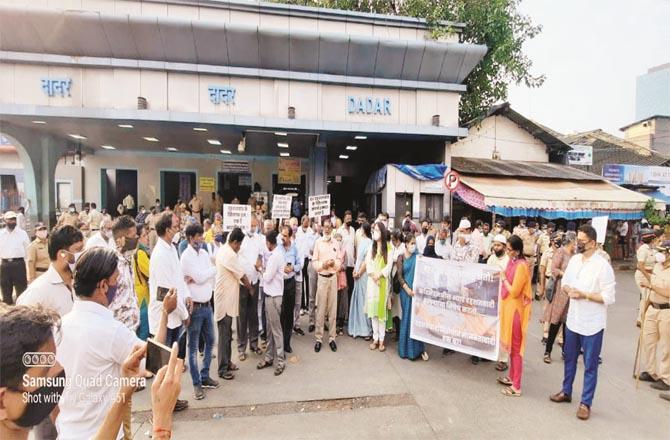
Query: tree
x=496 y=23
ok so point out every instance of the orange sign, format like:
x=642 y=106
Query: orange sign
x=288 y=171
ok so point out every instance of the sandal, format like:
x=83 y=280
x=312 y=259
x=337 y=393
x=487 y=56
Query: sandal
x=424 y=356
x=373 y=346
x=510 y=392
x=263 y=364
x=232 y=367
x=505 y=381
x=502 y=366
x=279 y=370
x=547 y=358
x=243 y=357
x=382 y=347
x=258 y=351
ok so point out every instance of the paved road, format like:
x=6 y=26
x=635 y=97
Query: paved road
x=356 y=393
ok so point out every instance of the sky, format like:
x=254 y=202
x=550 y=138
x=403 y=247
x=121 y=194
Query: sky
x=591 y=52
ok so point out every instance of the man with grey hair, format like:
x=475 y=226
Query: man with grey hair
x=102 y=238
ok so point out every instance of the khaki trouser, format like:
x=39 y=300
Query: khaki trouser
x=656 y=344
x=326 y=304
x=644 y=292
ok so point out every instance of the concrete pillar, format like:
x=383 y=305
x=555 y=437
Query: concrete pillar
x=49 y=153
x=318 y=169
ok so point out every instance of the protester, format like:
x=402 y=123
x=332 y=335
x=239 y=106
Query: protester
x=37 y=259
x=378 y=265
x=349 y=246
x=124 y=305
x=141 y=274
x=273 y=286
x=442 y=246
x=165 y=272
x=250 y=257
x=199 y=273
x=398 y=246
x=423 y=237
x=313 y=277
x=142 y=215
x=655 y=342
x=499 y=260
x=326 y=264
x=408 y=348
x=54 y=288
x=359 y=324
x=103 y=237
x=516 y=296
x=342 y=294
x=229 y=274
x=429 y=248
x=463 y=249
x=589 y=281
x=293 y=266
x=14 y=245
x=304 y=240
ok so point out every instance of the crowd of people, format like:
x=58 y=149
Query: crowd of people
x=174 y=275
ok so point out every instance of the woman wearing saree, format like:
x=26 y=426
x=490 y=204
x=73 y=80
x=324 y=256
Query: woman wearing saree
x=378 y=264
x=408 y=348
x=359 y=324
x=516 y=296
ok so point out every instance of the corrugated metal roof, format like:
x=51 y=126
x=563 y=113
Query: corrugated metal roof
x=489 y=167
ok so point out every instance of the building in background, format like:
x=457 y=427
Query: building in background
x=652 y=93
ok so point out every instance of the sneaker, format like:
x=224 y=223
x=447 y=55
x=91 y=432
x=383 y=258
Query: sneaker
x=180 y=405
x=198 y=393
x=210 y=383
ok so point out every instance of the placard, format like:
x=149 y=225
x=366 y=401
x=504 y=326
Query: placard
x=207 y=184
x=281 y=206
x=319 y=206
x=456 y=306
x=236 y=216
x=288 y=171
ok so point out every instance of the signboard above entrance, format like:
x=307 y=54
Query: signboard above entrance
x=235 y=166
x=368 y=105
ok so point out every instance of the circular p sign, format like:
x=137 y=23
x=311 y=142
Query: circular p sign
x=451 y=180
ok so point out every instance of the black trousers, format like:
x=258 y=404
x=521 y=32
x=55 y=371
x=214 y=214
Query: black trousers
x=287 y=305
x=350 y=282
x=12 y=276
x=247 y=322
x=553 y=332
x=305 y=286
x=225 y=327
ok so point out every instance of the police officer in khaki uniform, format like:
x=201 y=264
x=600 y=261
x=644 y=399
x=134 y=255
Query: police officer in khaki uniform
x=70 y=217
x=645 y=266
x=196 y=204
x=655 y=343
x=529 y=237
x=37 y=258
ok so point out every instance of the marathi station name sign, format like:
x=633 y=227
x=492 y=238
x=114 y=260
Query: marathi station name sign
x=368 y=105
x=57 y=86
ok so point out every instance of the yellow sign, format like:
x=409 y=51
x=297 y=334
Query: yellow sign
x=289 y=171
x=207 y=184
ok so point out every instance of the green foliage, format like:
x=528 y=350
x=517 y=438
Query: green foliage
x=653 y=216
x=496 y=23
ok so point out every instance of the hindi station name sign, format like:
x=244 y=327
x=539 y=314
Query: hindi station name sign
x=319 y=206
x=281 y=206
x=456 y=306
x=236 y=216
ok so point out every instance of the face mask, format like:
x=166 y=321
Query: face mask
x=443 y=241
x=411 y=248
x=430 y=248
x=105 y=233
x=581 y=247
x=111 y=293
x=466 y=238
x=348 y=224
x=41 y=402
x=11 y=226
x=41 y=234
x=75 y=257
x=424 y=231
x=326 y=237
x=129 y=245
x=197 y=246
x=72 y=210
x=500 y=253
x=376 y=235
x=660 y=257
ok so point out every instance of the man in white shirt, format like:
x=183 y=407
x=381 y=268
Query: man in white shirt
x=21 y=218
x=103 y=237
x=421 y=238
x=348 y=240
x=304 y=240
x=165 y=272
x=589 y=281
x=250 y=257
x=273 y=286
x=199 y=273
x=54 y=288
x=622 y=231
x=442 y=245
x=14 y=244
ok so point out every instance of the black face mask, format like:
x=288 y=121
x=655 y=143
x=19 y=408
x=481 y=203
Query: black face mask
x=130 y=244
x=581 y=248
x=424 y=231
x=41 y=402
x=348 y=224
x=500 y=253
x=11 y=226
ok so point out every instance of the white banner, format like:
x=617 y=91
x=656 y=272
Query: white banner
x=236 y=216
x=319 y=206
x=455 y=306
x=580 y=155
x=281 y=206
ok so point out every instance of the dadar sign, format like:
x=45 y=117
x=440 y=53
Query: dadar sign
x=369 y=105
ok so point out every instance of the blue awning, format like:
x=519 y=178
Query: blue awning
x=424 y=172
x=658 y=195
x=568 y=215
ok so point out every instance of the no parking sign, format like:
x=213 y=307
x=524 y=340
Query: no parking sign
x=451 y=180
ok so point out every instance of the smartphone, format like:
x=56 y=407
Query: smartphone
x=161 y=292
x=158 y=355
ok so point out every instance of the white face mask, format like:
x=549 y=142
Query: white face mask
x=660 y=257
x=411 y=248
x=376 y=235
x=76 y=256
x=326 y=237
x=41 y=234
x=466 y=238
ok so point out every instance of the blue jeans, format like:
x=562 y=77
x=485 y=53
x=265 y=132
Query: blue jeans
x=573 y=344
x=202 y=320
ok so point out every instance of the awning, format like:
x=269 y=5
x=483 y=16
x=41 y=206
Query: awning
x=659 y=195
x=552 y=198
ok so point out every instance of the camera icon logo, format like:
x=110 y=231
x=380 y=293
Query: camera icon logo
x=39 y=359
